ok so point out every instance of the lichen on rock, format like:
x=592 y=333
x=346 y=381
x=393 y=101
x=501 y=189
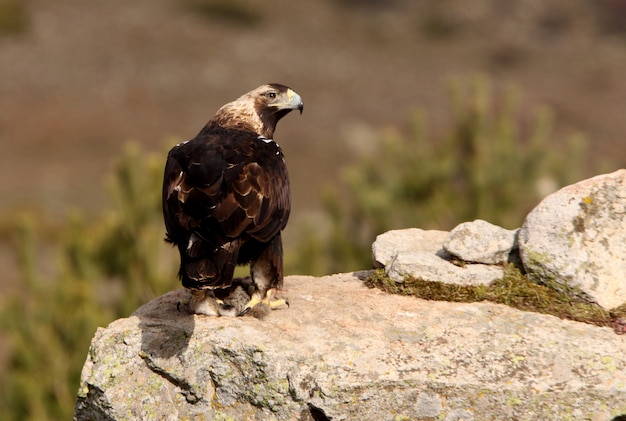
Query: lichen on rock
x=344 y=351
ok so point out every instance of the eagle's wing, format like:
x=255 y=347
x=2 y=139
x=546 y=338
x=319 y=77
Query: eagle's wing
x=221 y=192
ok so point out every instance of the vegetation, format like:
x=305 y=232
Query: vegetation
x=515 y=290
x=104 y=269
x=84 y=272
x=14 y=18
x=237 y=12
x=490 y=163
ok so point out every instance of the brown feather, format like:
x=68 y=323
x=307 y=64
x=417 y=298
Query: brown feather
x=226 y=192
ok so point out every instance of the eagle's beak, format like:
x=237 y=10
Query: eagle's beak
x=294 y=101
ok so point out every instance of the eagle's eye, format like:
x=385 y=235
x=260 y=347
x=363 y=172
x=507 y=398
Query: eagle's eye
x=271 y=95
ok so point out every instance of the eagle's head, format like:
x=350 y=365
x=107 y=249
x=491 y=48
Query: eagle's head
x=259 y=110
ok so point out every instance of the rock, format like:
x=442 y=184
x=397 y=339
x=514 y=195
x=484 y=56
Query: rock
x=419 y=253
x=481 y=242
x=346 y=352
x=576 y=237
x=387 y=246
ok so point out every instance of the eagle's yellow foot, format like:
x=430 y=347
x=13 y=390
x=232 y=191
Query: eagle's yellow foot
x=277 y=304
x=269 y=300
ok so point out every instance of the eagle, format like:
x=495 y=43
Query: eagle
x=226 y=200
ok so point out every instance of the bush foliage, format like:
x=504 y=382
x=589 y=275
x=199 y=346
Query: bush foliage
x=104 y=269
x=14 y=17
x=489 y=164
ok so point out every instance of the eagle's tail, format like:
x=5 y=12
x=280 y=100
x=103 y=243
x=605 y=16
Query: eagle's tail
x=203 y=266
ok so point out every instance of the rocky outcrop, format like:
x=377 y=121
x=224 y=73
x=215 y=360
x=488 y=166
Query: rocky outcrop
x=420 y=253
x=346 y=352
x=576 y=237
x=574 y=240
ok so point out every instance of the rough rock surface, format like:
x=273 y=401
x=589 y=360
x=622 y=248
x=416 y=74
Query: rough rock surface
x=346 y=352
x=482 y=242
x=577 y=237
x=420 y=253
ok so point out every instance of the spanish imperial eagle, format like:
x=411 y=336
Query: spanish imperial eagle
x=226 y=200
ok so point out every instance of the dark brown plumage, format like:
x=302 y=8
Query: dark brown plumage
x=226 y=199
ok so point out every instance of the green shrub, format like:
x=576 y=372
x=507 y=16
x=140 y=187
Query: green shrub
x=237 y=12
x=104 y=269
x=489 y=164
x=14 y=17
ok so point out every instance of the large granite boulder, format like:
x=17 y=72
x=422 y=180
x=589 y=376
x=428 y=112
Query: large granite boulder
x=576 y=237
x=346 y=352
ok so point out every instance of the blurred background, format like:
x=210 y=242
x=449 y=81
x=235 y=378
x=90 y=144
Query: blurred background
x=417 y=113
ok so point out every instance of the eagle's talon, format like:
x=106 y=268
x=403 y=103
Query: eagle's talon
x=269 y=302
x=278 y=304
x=180 y=304
x=224 y=308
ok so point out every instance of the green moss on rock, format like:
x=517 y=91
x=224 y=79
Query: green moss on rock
x=515 y=289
